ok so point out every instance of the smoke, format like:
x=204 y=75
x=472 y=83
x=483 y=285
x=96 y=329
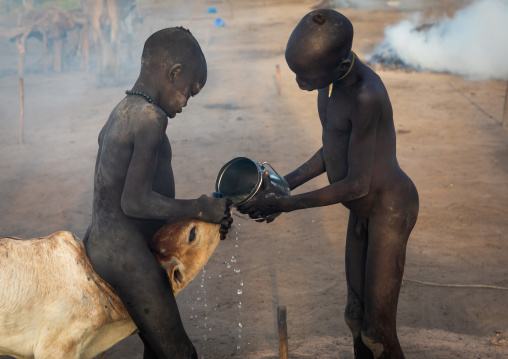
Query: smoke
x=473 y=44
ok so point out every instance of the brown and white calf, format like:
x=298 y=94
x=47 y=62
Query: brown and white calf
x=54 y=306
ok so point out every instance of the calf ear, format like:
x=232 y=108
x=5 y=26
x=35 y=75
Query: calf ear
x=175 y=271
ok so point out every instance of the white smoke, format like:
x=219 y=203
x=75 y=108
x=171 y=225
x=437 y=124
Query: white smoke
x=474 y=43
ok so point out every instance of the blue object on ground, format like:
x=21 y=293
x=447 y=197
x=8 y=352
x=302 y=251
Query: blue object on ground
x=219 y=22
x=212 y=10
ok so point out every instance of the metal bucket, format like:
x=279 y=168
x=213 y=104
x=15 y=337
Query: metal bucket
x=241 y=179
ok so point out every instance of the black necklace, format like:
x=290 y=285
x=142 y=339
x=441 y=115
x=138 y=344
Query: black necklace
x=139 y=93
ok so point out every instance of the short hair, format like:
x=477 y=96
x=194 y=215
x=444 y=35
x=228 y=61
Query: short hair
x=320 y=33
x=170 y=46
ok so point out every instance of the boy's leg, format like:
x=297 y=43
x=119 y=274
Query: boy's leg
x=148 y=353
x=387 y=238
x=356 y=251
x=146 y=293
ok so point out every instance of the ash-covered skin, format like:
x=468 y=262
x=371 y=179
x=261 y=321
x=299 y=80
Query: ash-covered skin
x=359 y=158
x=134 y=192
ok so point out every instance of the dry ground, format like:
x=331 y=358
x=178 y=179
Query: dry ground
x=449 y=142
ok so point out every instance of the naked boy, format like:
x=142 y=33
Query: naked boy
x=359 y=157
x=134 y=193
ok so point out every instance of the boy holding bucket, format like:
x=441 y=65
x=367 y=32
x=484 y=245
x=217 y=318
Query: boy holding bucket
x=134 y=190
x=359 y=157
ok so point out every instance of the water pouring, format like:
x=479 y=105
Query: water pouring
x=242 y=178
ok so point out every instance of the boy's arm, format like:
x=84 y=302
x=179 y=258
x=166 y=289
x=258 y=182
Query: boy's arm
x=310 y=169
x=355 y=185
x=138 y=198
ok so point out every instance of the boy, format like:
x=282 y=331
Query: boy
x=134 y=192
x=359 y=157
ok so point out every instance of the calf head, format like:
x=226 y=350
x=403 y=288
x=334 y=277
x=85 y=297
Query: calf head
x=182 y=248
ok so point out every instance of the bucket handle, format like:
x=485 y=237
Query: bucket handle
x=283 y=183
x=280 y=177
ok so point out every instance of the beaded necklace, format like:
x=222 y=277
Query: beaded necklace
x=139 y=93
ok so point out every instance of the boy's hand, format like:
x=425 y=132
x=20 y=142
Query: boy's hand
x=216 y=210
x=225 y=223
x=265 y=203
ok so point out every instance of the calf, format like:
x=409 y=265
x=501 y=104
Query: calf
x=54 y=305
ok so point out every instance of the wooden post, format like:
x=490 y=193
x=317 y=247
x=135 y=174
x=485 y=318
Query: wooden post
x=505 y=110
x=21 y=44
x=21 y=109
x=57 y=55
x=45 y=50
x=283 y=331
x=446 y=8
x=83 y=48
x=277 y=74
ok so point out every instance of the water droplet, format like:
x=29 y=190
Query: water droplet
x=229 y=265
x=241 y=283
x=210 y=329
x=237 y=270
x=239 y=291
x=220 y=275
x=237 y=347
x=201 y=285
x=240 y=325
x=236 y=245
x=239 y=336
x=233 y=261
x=198 y=298
x=240 y=305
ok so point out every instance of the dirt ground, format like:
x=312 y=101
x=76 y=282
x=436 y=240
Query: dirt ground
x=449 y=139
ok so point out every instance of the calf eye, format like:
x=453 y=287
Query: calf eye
x=192 y=234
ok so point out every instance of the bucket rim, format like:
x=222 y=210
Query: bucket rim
x=253 y=191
